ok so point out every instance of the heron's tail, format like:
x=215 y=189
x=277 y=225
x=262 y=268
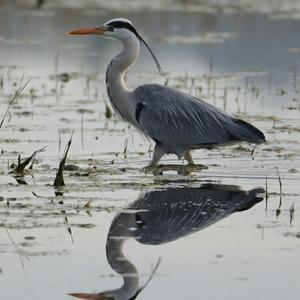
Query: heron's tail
x=247 y=132
x=250 y=199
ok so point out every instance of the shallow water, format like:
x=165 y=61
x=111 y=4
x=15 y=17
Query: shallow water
x=216 y=238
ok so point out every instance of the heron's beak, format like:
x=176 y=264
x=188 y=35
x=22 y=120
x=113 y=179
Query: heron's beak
x=87 y=296
x=92 y=30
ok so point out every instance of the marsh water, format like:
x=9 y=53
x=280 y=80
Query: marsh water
x=227 y=231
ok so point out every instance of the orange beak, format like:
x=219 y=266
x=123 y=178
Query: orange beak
x=92 y=30
x=87 y=296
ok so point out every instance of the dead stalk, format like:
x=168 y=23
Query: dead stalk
x=59 y=141
x=59 y=179
x=278 y=211
x=225 y=99
x=19 y=169
x=82 y=132
x=292 y=213
x=14 y=98
x=266 y=194
x=125 y=147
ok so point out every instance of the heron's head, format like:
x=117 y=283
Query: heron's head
x=100 y=296
x=116 y=28
x=120 y=29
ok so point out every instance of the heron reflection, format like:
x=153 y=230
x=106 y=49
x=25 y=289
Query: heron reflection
x=162 y=216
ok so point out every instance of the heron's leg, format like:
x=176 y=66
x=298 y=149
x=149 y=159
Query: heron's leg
x=188 y=157
x=157 y=155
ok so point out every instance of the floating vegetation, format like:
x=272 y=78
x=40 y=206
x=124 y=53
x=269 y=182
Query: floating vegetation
x=108 y=112
x=19 y=169
x=64 y=77
x=87 y=205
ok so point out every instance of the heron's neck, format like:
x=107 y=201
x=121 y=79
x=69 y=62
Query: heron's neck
x=118 y=93
x=118 y=234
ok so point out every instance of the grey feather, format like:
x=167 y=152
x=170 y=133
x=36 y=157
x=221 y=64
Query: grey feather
x=180 y=121
x=167 y=215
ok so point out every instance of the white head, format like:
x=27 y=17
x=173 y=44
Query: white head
x=119 y=28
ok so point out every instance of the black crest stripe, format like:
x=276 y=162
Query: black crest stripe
x=120 y=24
x=126 y=25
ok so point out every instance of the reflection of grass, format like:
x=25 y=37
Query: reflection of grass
x=21 y=257
x=292 y=213
x=266 y=194
x=14 y=98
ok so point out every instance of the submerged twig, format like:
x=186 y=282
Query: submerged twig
x=36 y=195
x=292 y=213
x=278 y=210
x=266 y=194
x=252 y=153
x=59 y=179
x=14 y=98
x=56 y=62
x=280 y=183
x=125 y=147
x=59 y=141
x=82 y=132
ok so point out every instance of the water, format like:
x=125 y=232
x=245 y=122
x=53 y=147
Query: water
x=216 y=239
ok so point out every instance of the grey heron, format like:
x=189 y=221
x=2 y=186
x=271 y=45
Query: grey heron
x=163 y=216
x=176 y=121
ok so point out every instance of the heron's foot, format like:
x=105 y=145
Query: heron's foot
x=154 y=169
x=157 y=155
x=188 y=157
x=180 y=169
x=190 y=168
x=196 y=167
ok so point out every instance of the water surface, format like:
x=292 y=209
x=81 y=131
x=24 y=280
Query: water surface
x=225 y=232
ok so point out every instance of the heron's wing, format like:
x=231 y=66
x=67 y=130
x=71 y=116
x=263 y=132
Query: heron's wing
x=167 y=215
x=174 y=118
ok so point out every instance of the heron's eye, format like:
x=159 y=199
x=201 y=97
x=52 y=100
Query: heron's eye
x=110 y=28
